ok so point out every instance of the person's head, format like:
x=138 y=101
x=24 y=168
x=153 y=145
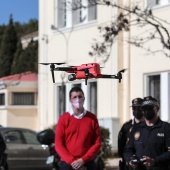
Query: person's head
x=136 y=108
x=150 y=107
x=77 y=98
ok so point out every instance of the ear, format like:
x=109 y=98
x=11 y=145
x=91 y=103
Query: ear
x=156 y=108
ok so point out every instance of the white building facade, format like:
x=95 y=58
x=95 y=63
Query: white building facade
x=67 y=36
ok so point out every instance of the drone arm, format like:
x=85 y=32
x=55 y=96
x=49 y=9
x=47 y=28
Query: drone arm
x=119 y=76
x=109 y=76
x=65 y=69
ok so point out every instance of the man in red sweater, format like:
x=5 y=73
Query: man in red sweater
x=77 y=139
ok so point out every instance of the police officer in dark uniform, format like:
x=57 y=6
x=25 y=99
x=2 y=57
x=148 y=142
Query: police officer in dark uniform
x=149 y=145
x=126 y=129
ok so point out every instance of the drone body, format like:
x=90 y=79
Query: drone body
x=90 y=70
x=84 y=71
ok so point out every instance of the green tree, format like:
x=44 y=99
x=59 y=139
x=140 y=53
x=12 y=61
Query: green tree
x=17 y=63
x=13 y=58
x=26 y=28
x=27 y=59
x=2 y=29
x=106 y=146
x=8 y=48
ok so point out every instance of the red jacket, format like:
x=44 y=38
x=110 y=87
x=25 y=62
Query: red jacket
x=77 y=138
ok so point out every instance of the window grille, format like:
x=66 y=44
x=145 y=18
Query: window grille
x=23 y=98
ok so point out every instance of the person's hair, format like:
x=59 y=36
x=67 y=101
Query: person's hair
x=75 y=89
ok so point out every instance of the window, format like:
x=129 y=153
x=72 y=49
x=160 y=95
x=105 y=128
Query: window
x=19 y=98
x=77 y=16
x=72 y=10
x=93 y=97
x=92 y=10
x=154 y=86
x=77 y=85
x=152 y=3
x=61 y=99
x=158 y=87
x=13 y=137
x=31 y=137
x=2 y=99
x=62 y=15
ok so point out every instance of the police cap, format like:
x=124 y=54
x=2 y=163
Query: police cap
x=137 y=102
x=149 y=100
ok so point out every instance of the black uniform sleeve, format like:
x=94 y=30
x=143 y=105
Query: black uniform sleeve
x=165 y=157
x=2 y=144
x=121 y=141
x=129 y=149
x=123 y=136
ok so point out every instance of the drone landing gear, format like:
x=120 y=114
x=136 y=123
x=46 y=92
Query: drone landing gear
x=52 y=67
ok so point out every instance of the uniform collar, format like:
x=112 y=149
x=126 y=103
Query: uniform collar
x=157 y=124
x=80 y=116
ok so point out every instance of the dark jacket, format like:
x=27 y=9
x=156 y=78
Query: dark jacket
x=2 y=145
x=124 y=134
x=153 y=142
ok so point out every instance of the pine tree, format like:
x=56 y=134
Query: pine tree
x=17 y=63
x=28 y=59
x=2 y=29
x=8 y=48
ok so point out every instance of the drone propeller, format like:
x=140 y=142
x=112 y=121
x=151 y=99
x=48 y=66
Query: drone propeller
x=51 y=63
x=119 y=74
x=122 y=71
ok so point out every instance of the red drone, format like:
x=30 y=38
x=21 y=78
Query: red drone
x=84 y=71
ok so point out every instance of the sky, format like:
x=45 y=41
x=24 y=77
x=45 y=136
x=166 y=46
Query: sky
x=21 y=10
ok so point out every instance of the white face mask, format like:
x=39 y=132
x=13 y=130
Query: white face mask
x=78 y=103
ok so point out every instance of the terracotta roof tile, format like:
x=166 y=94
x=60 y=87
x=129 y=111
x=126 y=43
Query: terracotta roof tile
x=27 y=76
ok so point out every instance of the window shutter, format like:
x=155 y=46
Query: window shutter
x=76 y=12
x=61 y=13
x=75 y=16
x=92 y=11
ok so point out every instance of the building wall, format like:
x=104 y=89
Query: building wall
x=73 y=46
x=19 y=115
x=144 y=64
x=26 y=118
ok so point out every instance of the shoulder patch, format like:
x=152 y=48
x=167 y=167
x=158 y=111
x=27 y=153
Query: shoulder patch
x=127 y=141
x=130 y=129
x=137 y=135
